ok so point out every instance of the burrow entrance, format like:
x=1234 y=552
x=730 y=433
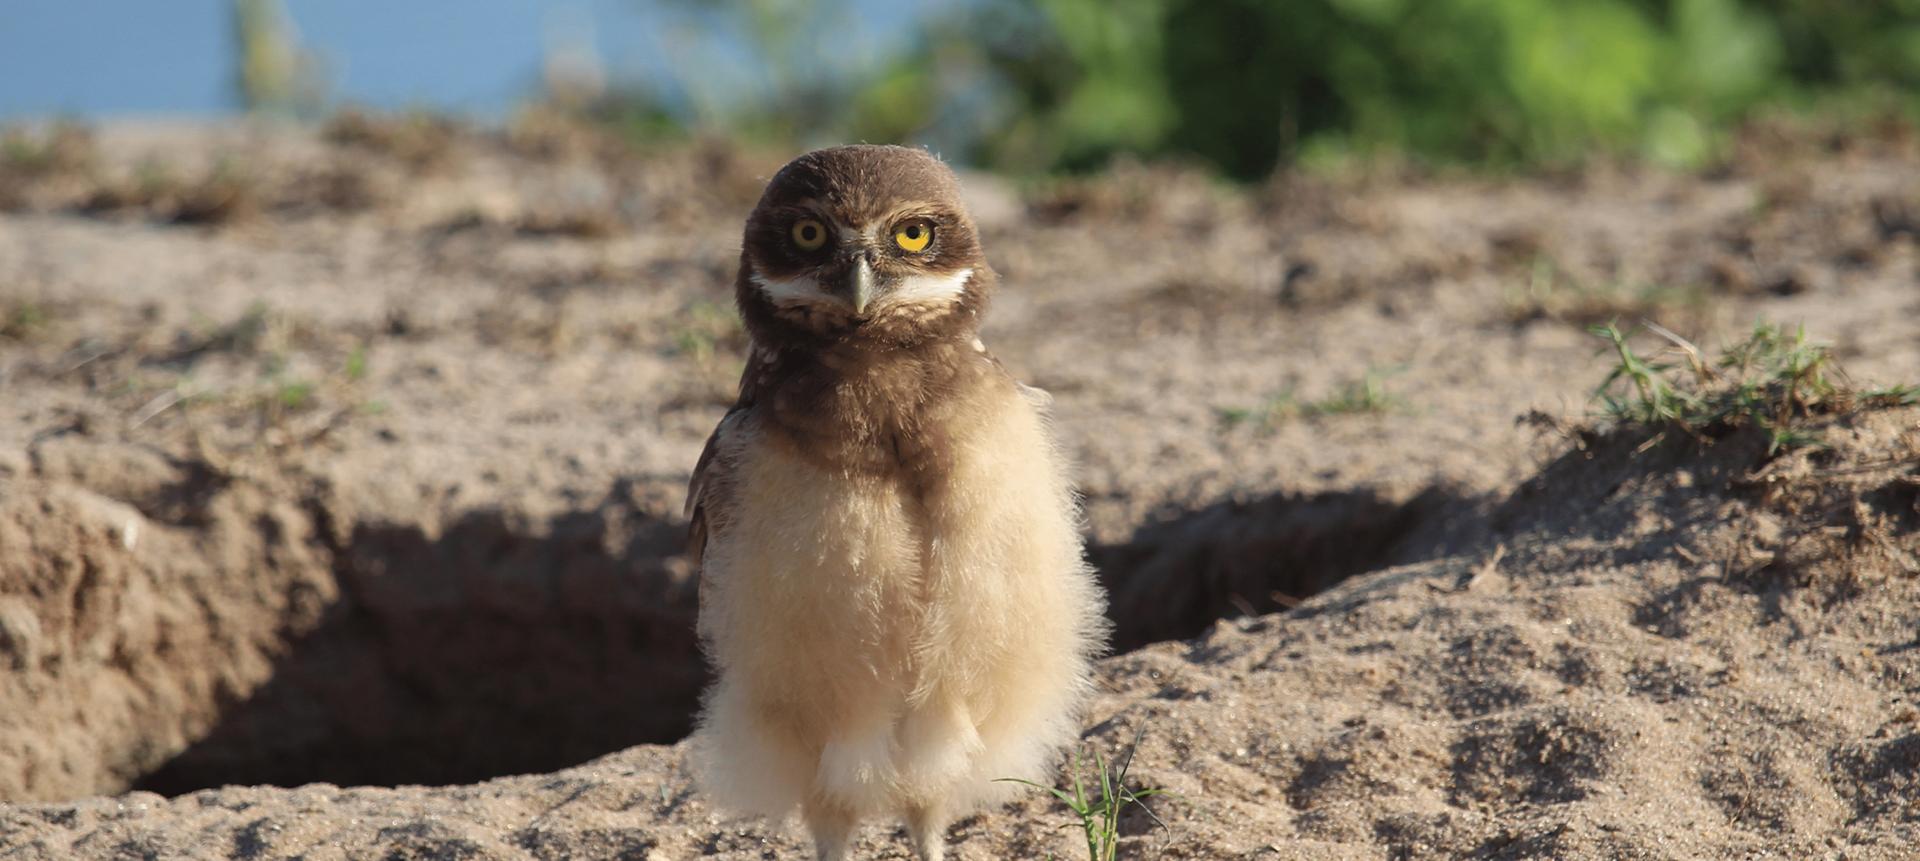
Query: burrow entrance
x=488 y=651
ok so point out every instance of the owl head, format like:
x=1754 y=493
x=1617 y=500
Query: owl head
x=862 y=243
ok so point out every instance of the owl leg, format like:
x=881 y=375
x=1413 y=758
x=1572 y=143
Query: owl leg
x=832 y=829
x=927 y=824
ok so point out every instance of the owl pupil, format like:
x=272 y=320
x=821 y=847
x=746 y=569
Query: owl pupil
x=808 y=232
x=913 y=232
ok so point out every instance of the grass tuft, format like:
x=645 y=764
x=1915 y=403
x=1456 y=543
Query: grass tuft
x=1098 y=814
x=1366 y=395
x=157 y=190
x=1775 y=380
x=63 y=147
x=706 y=329
x=1551 y=294
x=419 y=140
x=22 y=321
x=356 y=369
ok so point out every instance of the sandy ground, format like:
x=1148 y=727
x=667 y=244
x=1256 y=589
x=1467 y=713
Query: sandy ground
x=354 y=459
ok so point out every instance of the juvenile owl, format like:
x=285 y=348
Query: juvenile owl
x=892 y=589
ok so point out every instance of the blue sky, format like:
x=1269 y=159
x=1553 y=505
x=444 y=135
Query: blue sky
x=102 y=58
x=171 y=57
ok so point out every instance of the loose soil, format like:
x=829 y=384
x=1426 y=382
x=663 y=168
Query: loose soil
x=351 y=461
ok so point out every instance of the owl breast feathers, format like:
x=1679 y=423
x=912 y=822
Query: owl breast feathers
x=893 y=592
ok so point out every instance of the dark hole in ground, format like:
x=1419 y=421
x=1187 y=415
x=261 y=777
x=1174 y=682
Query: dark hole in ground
x=1175 y=577
x=497 y=649
x=481 y=652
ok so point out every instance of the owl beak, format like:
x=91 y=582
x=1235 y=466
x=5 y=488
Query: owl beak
x=860 y=285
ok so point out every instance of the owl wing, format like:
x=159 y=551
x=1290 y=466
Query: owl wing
x=714 y=470
x=709 y=473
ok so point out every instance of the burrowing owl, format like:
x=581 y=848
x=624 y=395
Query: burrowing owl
x=892 y=587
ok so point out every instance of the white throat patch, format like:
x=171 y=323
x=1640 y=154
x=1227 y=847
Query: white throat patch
x=914 y=290
x=930 y=288
x=790 y=291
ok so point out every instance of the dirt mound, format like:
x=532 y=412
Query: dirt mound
x=374 y=489
x=1580 y=683
x=171 y=627
x=1620 y=664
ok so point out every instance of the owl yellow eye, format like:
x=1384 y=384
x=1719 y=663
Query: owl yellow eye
x=809 y=234
x=914 y=237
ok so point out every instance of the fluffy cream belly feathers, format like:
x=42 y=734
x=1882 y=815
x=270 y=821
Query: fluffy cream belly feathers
x=879 y=652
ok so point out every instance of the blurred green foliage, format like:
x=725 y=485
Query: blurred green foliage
x=275 y=74
x=1249 y=85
